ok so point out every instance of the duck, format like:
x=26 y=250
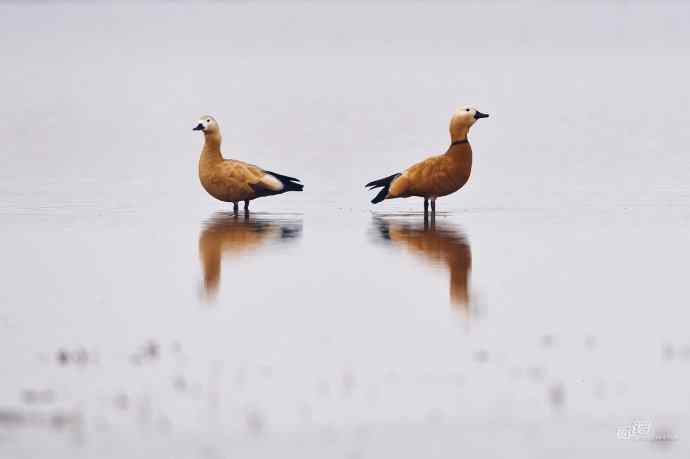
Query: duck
x=436 y=176
x=231 y=180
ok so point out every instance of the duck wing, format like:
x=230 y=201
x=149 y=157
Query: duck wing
x=261 y=181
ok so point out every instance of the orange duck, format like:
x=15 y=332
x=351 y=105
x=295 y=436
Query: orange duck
x=231 y=180
x=438 y=175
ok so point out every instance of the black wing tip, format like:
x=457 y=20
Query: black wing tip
x=292 y=186
x=290 y=183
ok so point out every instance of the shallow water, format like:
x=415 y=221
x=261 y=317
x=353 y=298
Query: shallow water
x=543 y=313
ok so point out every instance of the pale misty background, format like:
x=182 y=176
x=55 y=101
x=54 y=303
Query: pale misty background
x=335 y=344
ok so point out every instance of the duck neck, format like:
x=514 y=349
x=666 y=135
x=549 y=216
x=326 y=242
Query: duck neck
x=460 y=153
x=211 y=151
x=459 y=133
x=460 y=148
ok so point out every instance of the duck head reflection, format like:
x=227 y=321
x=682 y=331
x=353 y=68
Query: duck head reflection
x=441 y=244
x=226 y=235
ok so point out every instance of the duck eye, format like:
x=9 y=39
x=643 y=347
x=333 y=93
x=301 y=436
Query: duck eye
x=467 y=109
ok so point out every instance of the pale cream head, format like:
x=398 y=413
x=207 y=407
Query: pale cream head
x=463 y=118
x=206 y=123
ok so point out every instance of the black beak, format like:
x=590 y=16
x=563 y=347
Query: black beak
x=199 y=127
x=479 y=115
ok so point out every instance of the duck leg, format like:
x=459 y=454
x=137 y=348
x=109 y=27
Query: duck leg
x=235 y=208
x=246 y=208
x=433 y=209
x=426 y=210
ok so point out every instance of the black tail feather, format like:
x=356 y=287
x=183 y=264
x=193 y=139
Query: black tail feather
x=381 y=182
x=385 y=183
x=290 y=183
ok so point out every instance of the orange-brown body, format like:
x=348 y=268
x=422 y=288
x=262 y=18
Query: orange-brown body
x=227 y=180
x=436 y=176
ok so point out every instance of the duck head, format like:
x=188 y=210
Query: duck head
x=207 y=124
x=463 y=118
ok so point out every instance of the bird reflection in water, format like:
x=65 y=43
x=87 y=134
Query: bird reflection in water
x=441 y=244
x=228 y=236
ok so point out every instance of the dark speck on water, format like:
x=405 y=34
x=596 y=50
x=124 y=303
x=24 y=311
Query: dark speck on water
x=255 y=421
x=79 y=356
x=547 y=341
x=556 y=394
x=12 y=418
x=348 y=383
x=148 y=353
x=122 y=402
x=63 y=357
x=57 y=419
x=180 y=383
x=38 y=396
x=481 y=356
x=151 y=350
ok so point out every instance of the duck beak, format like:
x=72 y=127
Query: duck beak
x=199 y=127
x=479 y=115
